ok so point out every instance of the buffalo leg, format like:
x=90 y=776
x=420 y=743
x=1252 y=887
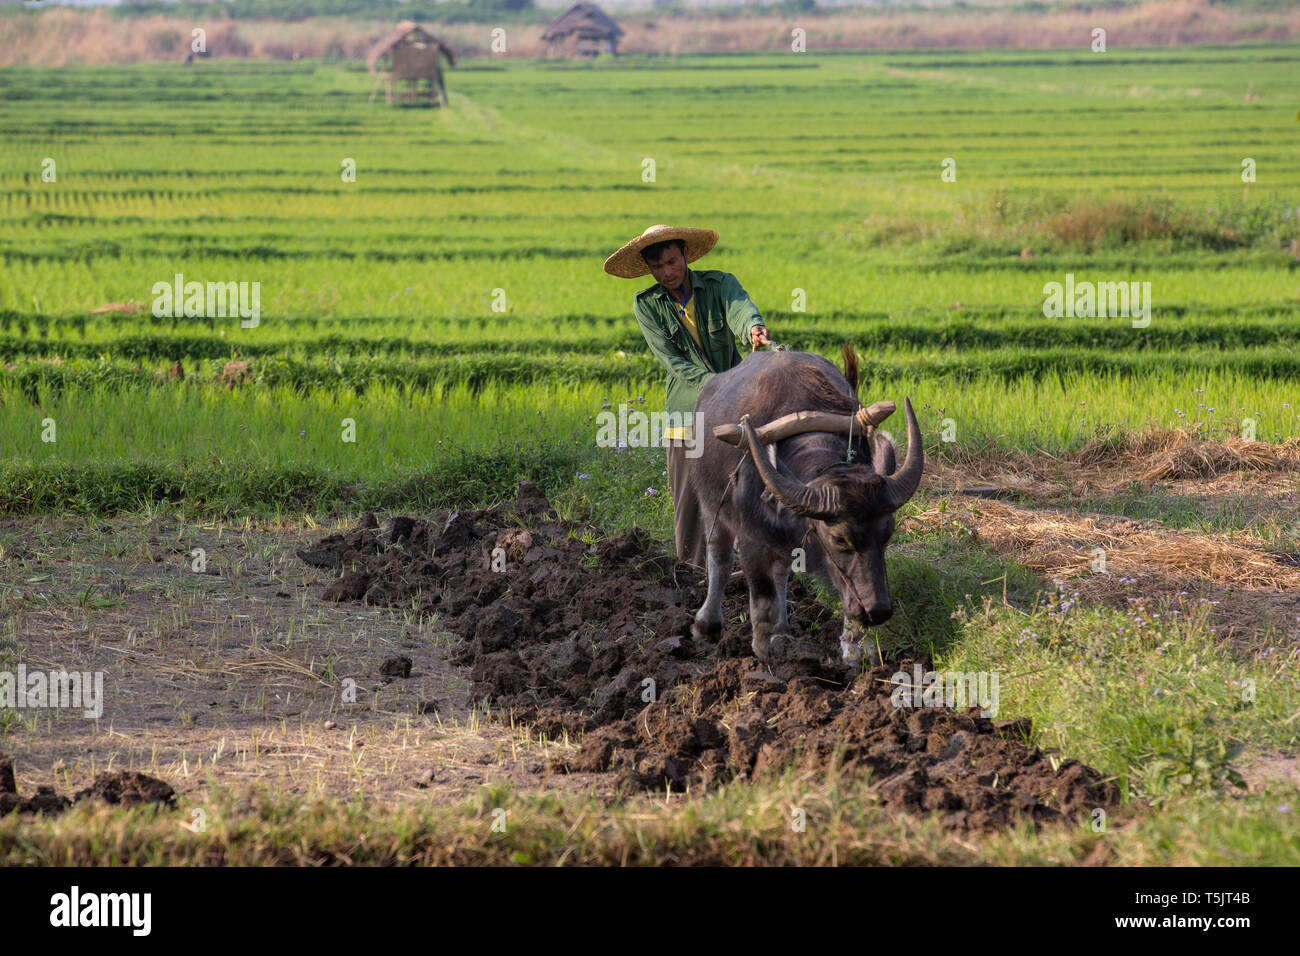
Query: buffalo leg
x=781 y=582
x=755 y=561
x=783 y=642
x=708 y=619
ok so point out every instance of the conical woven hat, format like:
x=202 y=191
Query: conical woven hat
x=628 y=264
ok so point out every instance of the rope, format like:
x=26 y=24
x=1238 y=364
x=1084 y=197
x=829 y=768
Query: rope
x=731 y=480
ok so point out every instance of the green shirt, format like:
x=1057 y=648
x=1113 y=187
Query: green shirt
x=723 y=311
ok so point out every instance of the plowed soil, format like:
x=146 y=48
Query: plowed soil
x=595 y=638
x=125 y=787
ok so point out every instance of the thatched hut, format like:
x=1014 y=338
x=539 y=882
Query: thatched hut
x=410 y=54
x=582 y=31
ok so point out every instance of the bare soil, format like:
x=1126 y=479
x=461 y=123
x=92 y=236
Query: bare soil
x=233 y=678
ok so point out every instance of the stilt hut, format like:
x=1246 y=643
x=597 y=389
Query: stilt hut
x=582 y=31
x=411 y=55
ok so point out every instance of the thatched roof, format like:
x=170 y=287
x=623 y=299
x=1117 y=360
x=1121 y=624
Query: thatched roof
x=585 y=18
x=384 y=45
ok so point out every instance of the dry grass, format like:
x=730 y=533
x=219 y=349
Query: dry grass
x=1105 y=465
x=1063 y=544
x=62 y=36
x=1256 y=588
x=1255 y=593
x=416 y=761
x=1123 y=220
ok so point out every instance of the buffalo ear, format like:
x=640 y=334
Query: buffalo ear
x=884 y=453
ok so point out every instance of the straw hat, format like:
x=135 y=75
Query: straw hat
x=628 y=264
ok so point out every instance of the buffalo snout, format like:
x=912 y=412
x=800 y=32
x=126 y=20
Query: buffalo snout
x=872 y=615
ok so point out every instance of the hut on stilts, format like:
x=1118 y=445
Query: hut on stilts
x=411 y=55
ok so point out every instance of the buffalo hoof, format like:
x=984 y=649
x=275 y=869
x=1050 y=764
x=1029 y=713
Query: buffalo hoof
x=802 y=652
x=850 y=653
x=761 y=647
x=854 y=643
x=706 y=630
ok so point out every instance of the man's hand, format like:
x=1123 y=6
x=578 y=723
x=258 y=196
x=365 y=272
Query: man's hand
x=758 y=336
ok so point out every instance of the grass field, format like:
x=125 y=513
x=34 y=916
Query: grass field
x=450 y=304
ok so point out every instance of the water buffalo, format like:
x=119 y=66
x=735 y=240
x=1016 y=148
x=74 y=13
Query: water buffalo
x=799 y=492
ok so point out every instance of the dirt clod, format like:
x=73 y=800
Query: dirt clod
x=125 y=787
x=128 y=788
x=399 y=666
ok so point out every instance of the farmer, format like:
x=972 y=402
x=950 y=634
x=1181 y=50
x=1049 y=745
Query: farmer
x=690 y=320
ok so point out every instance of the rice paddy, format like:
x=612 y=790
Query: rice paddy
x=434 y=276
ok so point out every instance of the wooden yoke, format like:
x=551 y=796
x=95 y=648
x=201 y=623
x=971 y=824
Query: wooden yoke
x=796 y=423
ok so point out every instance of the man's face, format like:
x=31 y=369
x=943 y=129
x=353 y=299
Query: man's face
x=669 y=269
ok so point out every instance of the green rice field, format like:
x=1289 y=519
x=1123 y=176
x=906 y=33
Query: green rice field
x=451 y=302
